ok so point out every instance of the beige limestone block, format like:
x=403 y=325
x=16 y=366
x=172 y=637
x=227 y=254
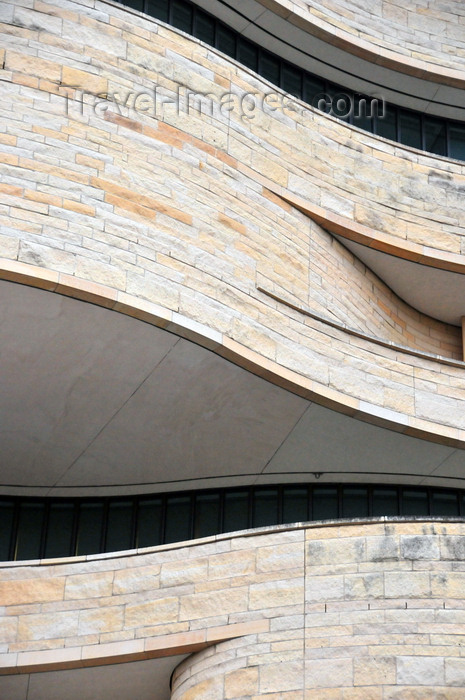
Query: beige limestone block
x=242 y=682
x=328 y=673
x=279 y=677
x=206 y=605
x=375 y=671
x=31 y=591
x=92 y=585
x=85 y=81
x=32 y=65
x=187 y=571
x=54 y=625
x=154 y=612
x=135 y=579
x=280 y=557
x=101 y=620
x=231 y=564
x=276 y=594
x=210 y=689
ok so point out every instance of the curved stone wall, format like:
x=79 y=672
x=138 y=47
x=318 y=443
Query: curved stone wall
x=191 y=211
x=428 y=31
x=374 y=606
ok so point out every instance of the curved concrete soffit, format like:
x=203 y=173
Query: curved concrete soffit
x=242 y=356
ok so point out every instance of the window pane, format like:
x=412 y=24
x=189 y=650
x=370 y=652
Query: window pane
x=414 y=502
x=181 y=15
x=207 y=513
x=226 y=40
x=354 y=503
x=324 y=503
x=204 y=27
x=292 y=80
x=178 y=519
x=410 y=129
x=158 y=9
x=312 y=89
x=362 y=115
x=270 y=67
x=149 y=522
x=265 y=507
x=31 y=516
x=135 y=4
x=119 y=526
x=444 y=504
x=236 y=511
x=90 y=528
x=59 y=530
x=342 y=104
x=295 y=505
x=6 y=523
x=435 y=136
x=386 y=125
x=457 y=141
x=385 y=502
x=247 y=54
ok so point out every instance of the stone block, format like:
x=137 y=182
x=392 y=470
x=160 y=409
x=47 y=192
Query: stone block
x=419 y=547
x=375 y=671
x=153 y=612
x=420 y=670
x=94 y=585
x=242 y=682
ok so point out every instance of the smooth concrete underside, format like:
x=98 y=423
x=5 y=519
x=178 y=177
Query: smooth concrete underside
x=434 y=292
x=139 y=680
x=95 y=402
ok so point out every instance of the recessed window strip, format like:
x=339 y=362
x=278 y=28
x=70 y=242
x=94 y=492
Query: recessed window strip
x=37 y=528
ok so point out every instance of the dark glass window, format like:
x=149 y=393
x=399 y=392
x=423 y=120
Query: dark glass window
x=247 y=54
x=386 y=125
x=443 y=503
x=31 y=516
x=181 y=15
x=414 y=502
x=313 y=88
x=90 y=528
x=410 y=128
x=457 y=141
x=292 y=80
x=342 y=105
x=159 y=9
x=204 y=27
x=325 y=503
x=149 y=522
x=6 y=524
x=207 y=514
x=135 y=4
x=362 y=115
x=236 y=511
x=265 y=507
x=226 y=40
x=295 y=505
x=385 y=502
x=270 y=67
x=435 y=135
x=119 y=526
x=59 y=530
x=354 y=502
x=178 y=519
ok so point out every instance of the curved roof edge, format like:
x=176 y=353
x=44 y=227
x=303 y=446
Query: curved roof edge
x=235 y=352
